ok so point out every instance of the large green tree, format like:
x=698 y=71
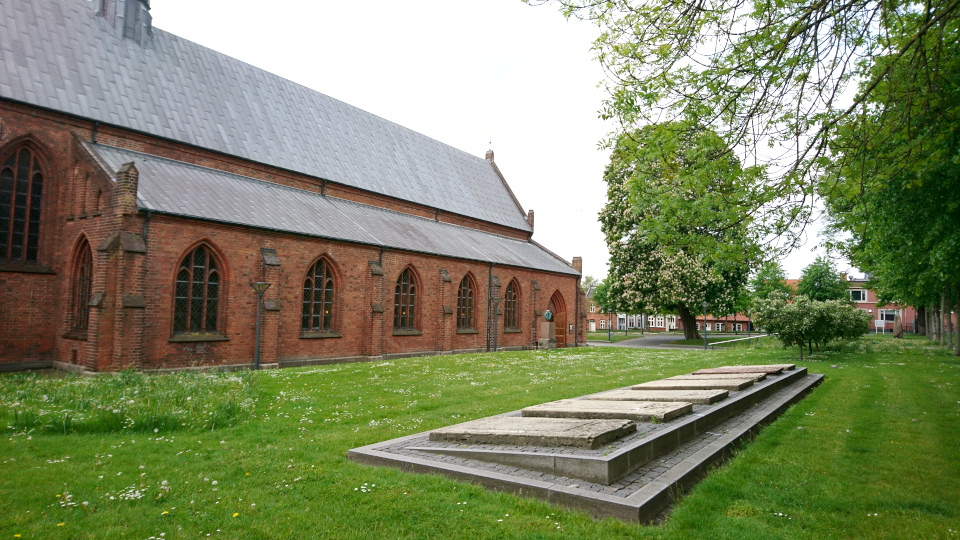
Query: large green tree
x=781 y=74
x=821 y=281
x=894 y=176
x=769 y=278
x=677 y=223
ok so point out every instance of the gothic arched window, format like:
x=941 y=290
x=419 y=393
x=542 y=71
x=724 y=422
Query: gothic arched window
x=82 y=283
x=510 y=308
x=21 y=192
x=197 y=299
x=318 y=298
x=465 y=303
x=405 y=302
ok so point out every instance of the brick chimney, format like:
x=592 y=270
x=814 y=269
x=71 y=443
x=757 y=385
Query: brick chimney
x=530 y=219
x=489 y=155
x=126 y=189
x=578 y=264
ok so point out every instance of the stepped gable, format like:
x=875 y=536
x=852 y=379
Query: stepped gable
x=62 y=56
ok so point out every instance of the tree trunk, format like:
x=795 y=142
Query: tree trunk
x=689 y=323
x=921 y=322
x=932 y=323
x=947 y=300
x=801 y=349
x=956 y=340
x=943 y=300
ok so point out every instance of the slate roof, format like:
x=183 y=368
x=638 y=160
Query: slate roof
x=183 y=189
x=61 y=56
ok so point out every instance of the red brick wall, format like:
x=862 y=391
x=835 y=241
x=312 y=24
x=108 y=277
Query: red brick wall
x=81 y=203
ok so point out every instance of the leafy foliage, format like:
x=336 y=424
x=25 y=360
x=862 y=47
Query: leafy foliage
x=894 y=178
x=676 y=222
x=803 y=320
x=821 y=281
x=770 y=278
x=867 y=87
x=601 y=295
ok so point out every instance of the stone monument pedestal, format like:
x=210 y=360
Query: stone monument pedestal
x=548 y=335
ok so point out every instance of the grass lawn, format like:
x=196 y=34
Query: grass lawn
x=710 y=340
x=618 y=335
x=874 y=452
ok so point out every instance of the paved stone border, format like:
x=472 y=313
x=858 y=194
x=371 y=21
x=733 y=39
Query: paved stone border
x=639 y=496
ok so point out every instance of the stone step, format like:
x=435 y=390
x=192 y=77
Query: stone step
x=717 y=376
x=685 y=384
x=522 y=431
x=619 y=456
x=641 y=411
x=703 y=397
x=768 y=368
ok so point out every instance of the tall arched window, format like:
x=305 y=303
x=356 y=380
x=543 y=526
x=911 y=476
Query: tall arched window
x=197 y=300
x=405 y=302
x=21 y=191
x=510 y=300
x=318 y=298
x=465 y=303
x=82 y=282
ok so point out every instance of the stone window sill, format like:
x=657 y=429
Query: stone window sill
x=79 y=334
x=407 y=332
x=25 y=267
x=509 y=330
x=319 y=334
x=197 y=337
x=467 y=331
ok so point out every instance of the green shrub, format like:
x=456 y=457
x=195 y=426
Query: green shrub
x=800 y=320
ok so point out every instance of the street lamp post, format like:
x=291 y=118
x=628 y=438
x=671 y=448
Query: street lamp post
x=260 y=287
x=705 y=304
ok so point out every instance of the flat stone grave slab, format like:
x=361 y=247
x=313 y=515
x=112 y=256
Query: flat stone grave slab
x=641 y=411
x=769 y=369
x=536 y=431
x=757 y=377
x=632 y=478
x=686 y=384
x=700 y=397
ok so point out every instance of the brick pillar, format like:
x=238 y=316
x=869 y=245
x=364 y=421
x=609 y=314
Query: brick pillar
x=271 y=271
x=374 y=346
x=121 y=323
x=445 y=320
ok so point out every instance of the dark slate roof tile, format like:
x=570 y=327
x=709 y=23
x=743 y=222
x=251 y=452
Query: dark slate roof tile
x=61 y=56
x=182 y=189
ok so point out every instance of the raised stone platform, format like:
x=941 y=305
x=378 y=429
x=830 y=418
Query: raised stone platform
x=536 y=431
x=768 y=368
x=686 y=384
x=702 y=397
x=633 y=478
x=757 y=377
x=643 y=411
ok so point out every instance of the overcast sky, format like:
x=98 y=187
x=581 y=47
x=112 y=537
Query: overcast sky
x=464 y=72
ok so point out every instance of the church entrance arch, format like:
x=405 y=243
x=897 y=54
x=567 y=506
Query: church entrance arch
x=559 y=309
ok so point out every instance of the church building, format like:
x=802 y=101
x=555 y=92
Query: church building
x=147 y=182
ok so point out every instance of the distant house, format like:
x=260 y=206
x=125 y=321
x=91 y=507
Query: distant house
x=883 y=314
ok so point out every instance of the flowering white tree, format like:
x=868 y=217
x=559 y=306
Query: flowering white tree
x=675 y=223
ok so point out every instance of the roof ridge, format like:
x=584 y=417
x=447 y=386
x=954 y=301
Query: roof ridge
x=179 y=90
